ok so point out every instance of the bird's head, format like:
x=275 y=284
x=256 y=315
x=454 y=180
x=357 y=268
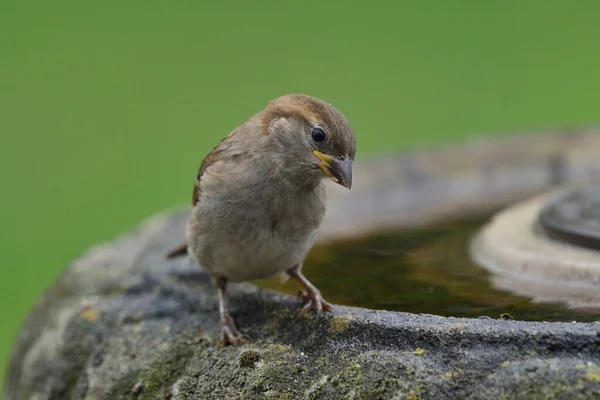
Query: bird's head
x=310 y=140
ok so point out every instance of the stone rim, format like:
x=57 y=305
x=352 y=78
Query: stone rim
x=525 y=261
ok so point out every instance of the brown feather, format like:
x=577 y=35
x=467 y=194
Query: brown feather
x=213 y=156
x=178 y=251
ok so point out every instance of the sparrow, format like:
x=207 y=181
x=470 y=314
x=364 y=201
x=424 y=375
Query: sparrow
x=260 y=197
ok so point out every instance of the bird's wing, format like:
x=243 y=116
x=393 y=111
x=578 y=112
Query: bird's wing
x=216 y=154
x=226 y=148
x=213 y=156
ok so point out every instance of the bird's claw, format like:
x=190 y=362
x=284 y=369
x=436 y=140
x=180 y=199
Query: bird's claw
x=230 y=334
x=314 y=301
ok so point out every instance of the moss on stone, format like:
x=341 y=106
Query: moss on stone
x=339 y=324
x=157 y=323
x=249 y=358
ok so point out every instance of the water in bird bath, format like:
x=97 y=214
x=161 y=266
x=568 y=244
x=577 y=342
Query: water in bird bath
x=425 y=270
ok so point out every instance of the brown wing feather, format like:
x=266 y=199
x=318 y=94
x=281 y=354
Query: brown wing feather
x=213 y=156
x=224 y=148
x=178 y=251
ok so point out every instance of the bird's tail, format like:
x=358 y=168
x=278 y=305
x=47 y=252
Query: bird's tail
x=178 y=251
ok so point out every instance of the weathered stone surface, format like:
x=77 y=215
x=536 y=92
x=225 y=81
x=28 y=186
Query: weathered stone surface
x=122 y=323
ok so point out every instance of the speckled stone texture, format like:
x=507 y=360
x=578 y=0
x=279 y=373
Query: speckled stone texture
x=122 y=323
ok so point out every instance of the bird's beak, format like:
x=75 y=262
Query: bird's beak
x=339 y=171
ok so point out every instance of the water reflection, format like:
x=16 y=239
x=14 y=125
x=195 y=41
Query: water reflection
x=419 y=271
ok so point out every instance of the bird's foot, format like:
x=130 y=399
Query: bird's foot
x=314 y=301
x=230 y=334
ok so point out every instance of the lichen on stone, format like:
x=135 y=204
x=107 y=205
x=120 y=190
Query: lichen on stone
x=157 y=323
x=249 y=358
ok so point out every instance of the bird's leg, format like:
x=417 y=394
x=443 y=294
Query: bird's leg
x=229 y=333
x=312 y=298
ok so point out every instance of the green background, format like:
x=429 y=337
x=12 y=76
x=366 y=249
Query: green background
x=107 y=108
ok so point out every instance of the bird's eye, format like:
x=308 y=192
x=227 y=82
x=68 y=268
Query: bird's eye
x=318 y=135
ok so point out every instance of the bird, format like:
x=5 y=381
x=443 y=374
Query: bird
x=260 y=197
